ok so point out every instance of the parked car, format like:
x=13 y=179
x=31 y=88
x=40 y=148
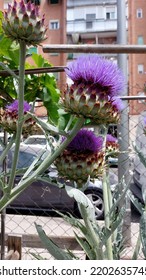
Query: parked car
x=45 y=197
x=38 y=143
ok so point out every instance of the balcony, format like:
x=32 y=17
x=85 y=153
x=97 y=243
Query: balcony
x=84 y=26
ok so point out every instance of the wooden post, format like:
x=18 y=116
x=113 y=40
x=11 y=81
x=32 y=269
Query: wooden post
x=14 y=244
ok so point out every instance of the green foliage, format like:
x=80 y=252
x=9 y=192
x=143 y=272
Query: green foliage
x=37 y=87
x=82 y=199
x=52 y=248
x=89 y=234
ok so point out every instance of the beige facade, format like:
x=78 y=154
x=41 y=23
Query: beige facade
x=55 y=20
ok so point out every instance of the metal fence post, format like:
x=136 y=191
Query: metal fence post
x=123 y=127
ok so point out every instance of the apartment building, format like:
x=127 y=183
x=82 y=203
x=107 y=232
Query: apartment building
x=137 y=62
x=91 y=22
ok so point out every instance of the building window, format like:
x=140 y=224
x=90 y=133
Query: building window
x=89 y=25
x=90 y=17
x=140 y=40
x=54 y=24
x=89 y=20
x=140 y=68
x=139 y=13
x=110 y=13
x=54 y=1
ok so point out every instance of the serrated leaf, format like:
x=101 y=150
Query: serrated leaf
x=135 y=202
x=52 y=248
x=86 y=247
x=39 y=60
x=73 y=222
x=81 y=198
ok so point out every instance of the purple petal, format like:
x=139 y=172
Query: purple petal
x=85 y=142
x=118 y=103
x=13 y=107
x=110 y=138
x=98 y=70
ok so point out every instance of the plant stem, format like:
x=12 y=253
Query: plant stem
x=91 y=232
x=23 y=184
x=20 y=113
x=106 y=201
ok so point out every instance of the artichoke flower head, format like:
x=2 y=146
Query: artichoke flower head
x=9 y=118
x=22 y=22
x=97 y=86
x=82 y=158
x=112 y=146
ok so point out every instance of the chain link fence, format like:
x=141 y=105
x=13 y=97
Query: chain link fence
x=37 y=204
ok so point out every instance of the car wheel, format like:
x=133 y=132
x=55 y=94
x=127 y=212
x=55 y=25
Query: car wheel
x=96 y=197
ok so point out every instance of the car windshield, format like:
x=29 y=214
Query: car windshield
x=25 y=159
x=40 y=141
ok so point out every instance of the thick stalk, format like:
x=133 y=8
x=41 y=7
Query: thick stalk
x=20 y=113
x=106 y=202
x=91 y=232
x=43 y=166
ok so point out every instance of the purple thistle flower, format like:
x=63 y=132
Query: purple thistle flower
x=13 y=107
x=118 y=103
x=20 y=23
x=99 y=71
x=85 y=142
x=110 y=138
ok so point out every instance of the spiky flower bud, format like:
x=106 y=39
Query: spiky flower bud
x=95 y=92
x=112 y=146
x=22 y=22
x=9 y=119
x=82 y=158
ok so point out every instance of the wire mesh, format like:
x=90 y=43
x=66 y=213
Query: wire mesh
x=37 y=204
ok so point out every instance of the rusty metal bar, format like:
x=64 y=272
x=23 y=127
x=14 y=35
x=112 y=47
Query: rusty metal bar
x=43 y=70
x=108 y=48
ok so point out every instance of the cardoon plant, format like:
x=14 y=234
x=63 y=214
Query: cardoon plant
x=112 y=146
x=94 y=94
x=82 y=158
x=97 y=85
x=9 y=118
x=23 y=23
